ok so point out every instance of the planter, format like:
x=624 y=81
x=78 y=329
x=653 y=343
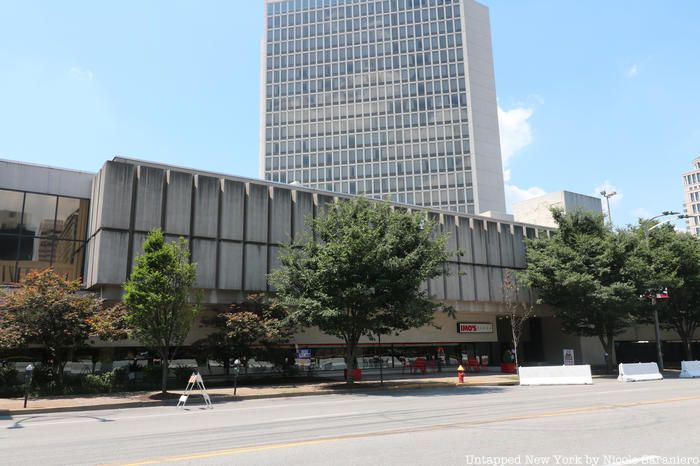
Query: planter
x=509 y=368
x=356 y=374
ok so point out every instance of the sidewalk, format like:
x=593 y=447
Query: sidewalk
x=13 y=406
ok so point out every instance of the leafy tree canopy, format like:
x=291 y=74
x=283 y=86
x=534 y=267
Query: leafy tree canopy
x=589 y=273
x=157 y=296
x=49 y=310
x=364 y=274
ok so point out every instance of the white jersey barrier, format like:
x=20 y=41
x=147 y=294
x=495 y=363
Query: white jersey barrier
x=639 y=371
x=555 y=375
x=690 y=369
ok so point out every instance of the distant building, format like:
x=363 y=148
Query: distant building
x=537 y=210
x=691 y=199
x=387 y=99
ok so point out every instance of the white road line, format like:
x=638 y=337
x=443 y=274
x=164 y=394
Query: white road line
x=642 y=459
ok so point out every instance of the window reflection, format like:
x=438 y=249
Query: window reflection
x=39 y=215
x=10 y=211
x=40 y=231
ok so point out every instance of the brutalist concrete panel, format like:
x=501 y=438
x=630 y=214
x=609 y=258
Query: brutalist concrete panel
x=113 y=247
x=92 y=260
x=137 y=246
x=206 y=206
x=452 y=281
x=481 y=278
x=204 y=254
x=303 y=214
x=95 y=203
x=117 y=191
x=519 y=246
x=256 y=213
x=464 y=239
x=322 y=203
x=230 y=266
x=466 y=277
x=450 y=229
x=281 y=215
x=255 y=267
x=437 y=287
x=232 y=210
x=496 y=284
x=506 y=240
x=179 y=203
x=149 y=198
x=493 y=248
x=479 y=242
x=274 y=261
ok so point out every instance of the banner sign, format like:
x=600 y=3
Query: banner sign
x=304 y=353
x=474 y=327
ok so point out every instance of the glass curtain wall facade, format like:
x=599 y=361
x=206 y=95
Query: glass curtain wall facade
x=38 y=231
x=368 y=97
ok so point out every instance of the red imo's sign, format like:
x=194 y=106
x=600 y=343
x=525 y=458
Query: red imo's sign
x=469 y=327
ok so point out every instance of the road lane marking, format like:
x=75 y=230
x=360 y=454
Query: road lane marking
x=427 y=428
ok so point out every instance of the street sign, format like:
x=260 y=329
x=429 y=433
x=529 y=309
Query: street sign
x=474 y=327
x=195 y=382
x=569 y=357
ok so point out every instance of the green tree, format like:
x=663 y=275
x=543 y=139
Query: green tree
x=157 y=297
x=588 y=272
x=673 y=259
x=364 y=274
x=519 y=312
x=252 y=328
x=48 y=310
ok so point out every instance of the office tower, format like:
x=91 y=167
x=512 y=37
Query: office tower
x=384 y=98
x=691 y=198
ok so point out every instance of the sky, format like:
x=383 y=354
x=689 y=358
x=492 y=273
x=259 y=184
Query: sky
x=592 y=95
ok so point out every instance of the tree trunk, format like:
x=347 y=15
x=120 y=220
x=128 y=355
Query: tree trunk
x=515 y=345
x=687 y=347
x=607 y=342
x=164 y=373
x=350 y=361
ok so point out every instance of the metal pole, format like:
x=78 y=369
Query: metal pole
x=607 y=198
x=381 y=362
x=657 y=331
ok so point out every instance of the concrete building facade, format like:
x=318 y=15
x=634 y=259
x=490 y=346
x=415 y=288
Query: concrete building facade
x=385 y=98
x=235 y=228
x=537 y=210
x=691 y=198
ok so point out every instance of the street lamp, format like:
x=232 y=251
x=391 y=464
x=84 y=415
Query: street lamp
x=607 y=195
x=654 y=295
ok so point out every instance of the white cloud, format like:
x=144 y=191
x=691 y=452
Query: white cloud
x=80 y=74
x=516 y=134
x=633 y=71
x=515 y=129
x=515 y=194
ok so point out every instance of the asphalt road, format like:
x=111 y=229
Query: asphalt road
x=607 y=423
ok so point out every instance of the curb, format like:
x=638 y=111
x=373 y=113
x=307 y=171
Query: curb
x=229 y=398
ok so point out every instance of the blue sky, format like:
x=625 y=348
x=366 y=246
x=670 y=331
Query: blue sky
x=590 y=93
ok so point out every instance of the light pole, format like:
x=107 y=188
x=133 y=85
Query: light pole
x=236 y=370
x=607 y=195
x=654 y=294
x=28 y=374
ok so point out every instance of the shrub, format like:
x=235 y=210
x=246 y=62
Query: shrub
x=102 y=383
